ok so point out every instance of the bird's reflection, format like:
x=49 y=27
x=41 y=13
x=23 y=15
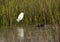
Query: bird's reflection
x=20 y=32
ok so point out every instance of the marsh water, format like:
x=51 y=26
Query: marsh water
x=29 y=34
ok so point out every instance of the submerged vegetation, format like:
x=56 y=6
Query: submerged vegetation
x=36 y=11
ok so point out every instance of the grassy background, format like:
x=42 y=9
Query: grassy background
x=41 y=11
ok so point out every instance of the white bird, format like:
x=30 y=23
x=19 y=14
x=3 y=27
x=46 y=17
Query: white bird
x=20 y=17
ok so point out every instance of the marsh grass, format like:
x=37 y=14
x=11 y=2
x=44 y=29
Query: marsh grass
x=41 y=11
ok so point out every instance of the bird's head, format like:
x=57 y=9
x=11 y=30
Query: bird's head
x=17 y=20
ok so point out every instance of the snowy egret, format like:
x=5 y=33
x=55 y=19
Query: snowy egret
x=20 y=17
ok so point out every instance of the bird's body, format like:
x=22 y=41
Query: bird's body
x=20 y=17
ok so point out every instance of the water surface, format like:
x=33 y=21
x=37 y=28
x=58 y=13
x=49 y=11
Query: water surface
x=29 y=34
